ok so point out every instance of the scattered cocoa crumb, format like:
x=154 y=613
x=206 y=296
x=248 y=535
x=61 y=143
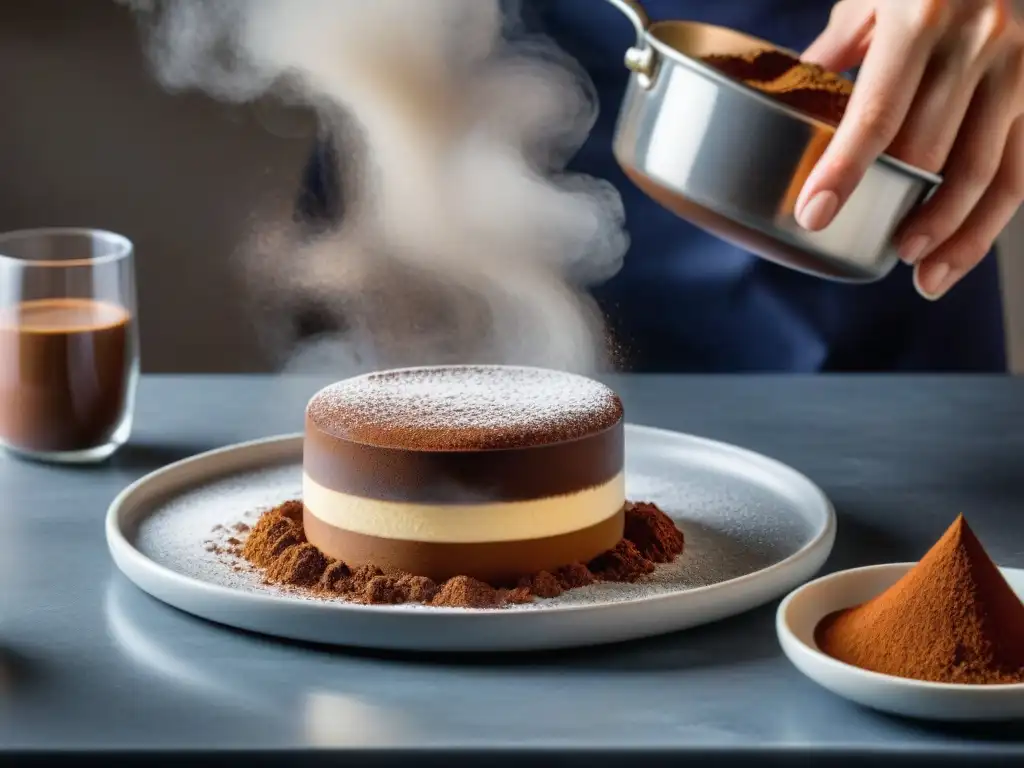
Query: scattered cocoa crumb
x=361 y=578
x=241 y=528
x=275 y=532
x=466 y=592
x=418 y=589
x=301 y=565
x=277 y=546
x=383 y=590
x=574 y=576
x=517 y=596
x=335 y=576
x=654 y=534
x=623 y=563
x=291 y=510
x=543 y=585
x=392 y=590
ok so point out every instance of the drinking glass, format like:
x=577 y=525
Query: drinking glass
x=69 y=359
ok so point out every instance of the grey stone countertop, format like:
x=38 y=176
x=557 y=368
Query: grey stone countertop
x=89 y=665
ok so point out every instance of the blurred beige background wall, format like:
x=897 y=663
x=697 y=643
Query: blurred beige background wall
x=88 y=138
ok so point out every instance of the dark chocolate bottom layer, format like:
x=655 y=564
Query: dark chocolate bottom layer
x=501 y=563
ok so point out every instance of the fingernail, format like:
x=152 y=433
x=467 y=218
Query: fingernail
x=817 y=212
x=915 y=248
x=934 y=280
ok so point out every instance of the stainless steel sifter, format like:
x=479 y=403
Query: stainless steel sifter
x=732 y=161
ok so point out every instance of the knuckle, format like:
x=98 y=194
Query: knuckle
x=964 y=246
x=1015 y=66
x=1002 y=16
x=927 y=156
x=970 y=249
x=929 y=16
x=839 y=11
x=979 y=170
x=932 y=160
x=844 y=166
x=1009 y=182
x=879 y=121
x=994 y=24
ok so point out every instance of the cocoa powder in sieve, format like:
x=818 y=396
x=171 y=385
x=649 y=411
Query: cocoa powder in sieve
x=276 y=545
x=798 y=84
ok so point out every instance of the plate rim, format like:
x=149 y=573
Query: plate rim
x=120 y=546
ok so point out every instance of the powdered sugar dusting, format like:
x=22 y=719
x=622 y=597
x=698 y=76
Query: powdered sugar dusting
x=465 y=407
x=734 y=526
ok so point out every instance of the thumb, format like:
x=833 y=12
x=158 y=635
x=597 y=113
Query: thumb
x=844 y=42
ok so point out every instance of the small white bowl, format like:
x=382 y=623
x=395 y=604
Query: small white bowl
x=800 y=612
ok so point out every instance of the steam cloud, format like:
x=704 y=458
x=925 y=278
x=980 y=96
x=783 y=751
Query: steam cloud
x=463 y=238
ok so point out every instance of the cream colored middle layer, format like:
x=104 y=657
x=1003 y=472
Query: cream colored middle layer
x=468 y=524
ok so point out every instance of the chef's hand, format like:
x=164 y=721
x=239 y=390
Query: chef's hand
x=941 y=86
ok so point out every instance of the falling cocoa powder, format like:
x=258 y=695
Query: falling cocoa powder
x=276 y=545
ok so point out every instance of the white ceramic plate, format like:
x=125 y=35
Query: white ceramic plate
x=754 y=530
x=800 y=613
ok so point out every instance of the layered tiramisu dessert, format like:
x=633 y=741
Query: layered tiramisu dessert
x=491 y=472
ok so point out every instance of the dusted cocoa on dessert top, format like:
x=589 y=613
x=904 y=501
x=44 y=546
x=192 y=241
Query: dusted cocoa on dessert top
x=492 y=472
x=463 y=434
x=465 y=408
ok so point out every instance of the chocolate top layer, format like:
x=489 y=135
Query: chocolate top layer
x=464 y=435
x=464 y=408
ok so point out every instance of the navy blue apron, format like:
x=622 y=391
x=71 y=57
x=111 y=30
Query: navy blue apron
x=685 y=301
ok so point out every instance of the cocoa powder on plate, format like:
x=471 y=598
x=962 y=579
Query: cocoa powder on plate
x=276 y=545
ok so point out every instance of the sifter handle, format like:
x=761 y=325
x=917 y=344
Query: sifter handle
x=640 y=59
x=637 y=15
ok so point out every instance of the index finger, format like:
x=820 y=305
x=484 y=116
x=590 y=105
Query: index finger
x=893 y=69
